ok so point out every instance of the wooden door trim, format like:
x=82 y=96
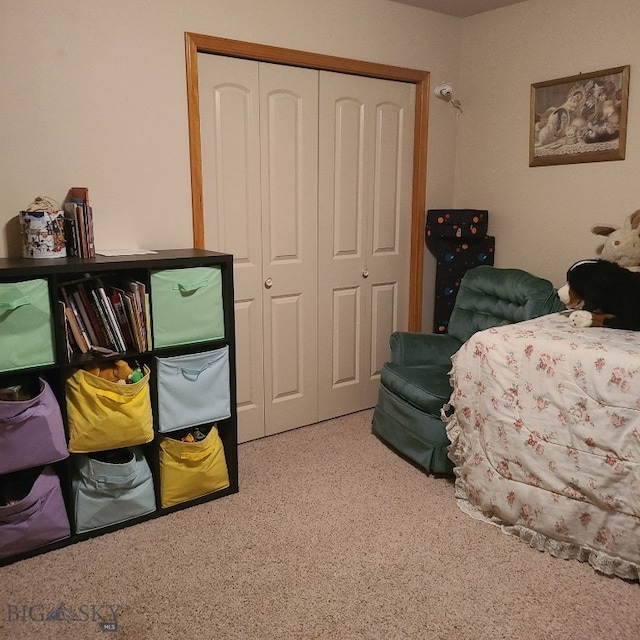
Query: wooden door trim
x=198 y=43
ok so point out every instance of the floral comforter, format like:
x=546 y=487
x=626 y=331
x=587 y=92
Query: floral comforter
x=545 y=438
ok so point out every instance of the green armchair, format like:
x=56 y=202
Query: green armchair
x=414 y=386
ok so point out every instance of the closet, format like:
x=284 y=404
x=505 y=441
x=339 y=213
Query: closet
x=307 y=181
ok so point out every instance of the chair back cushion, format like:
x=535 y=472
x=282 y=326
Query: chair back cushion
x=491 y=297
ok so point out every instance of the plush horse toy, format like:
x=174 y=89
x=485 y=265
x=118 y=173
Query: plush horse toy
x=600 y=293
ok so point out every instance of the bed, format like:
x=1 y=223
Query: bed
x=544 y=424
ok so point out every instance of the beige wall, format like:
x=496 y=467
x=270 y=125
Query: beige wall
x=542 y=216
x=94 y=94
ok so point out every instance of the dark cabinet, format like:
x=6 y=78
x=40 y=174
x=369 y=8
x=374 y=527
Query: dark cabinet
x=459 y=241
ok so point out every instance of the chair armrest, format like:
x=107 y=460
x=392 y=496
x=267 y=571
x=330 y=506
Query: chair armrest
x=409 y=348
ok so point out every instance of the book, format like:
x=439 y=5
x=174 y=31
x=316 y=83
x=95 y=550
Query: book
x=83 y=342
x=141 y=297
x=147 y=320
x=80 y=193
x=114 y=325
x=92 y=314
x=84 y=215
x=69 y=340
x=75 y=330
x=134 y=323
x=82 y=235
x=82 y=226
x=91 y=245
x=71 y=230
x=117 y=300
x=137 y=290
x=93 y=338
x=110 y=337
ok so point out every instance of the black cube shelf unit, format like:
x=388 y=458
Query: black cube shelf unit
x=190 y=316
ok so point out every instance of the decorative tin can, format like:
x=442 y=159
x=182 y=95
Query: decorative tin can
x=42 y=225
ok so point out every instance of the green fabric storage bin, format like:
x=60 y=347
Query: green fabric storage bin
x=186 y=306
x=26 y=325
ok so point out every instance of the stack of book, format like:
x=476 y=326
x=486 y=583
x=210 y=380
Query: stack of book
x=105 y=318
x=78 y=224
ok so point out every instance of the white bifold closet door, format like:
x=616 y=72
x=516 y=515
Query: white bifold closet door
x=365 y=182
x=307 y=182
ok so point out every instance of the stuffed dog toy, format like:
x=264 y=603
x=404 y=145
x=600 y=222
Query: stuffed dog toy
x=600 y=293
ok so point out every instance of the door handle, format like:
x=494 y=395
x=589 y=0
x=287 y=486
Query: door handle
x=365 y=273
x=268 y=283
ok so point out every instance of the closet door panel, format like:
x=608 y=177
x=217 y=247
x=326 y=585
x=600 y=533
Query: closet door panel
x=347 y=311
x=344 y=203
x=229 y=126
x=283 y=164
x=248 y=315
x=364 y=237
x=388 y=168
x=348 y=180
x=288 y=128
x=346 y=241
x=390 y=230
x=384 y=304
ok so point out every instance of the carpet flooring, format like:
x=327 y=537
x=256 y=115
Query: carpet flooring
x=332 y=535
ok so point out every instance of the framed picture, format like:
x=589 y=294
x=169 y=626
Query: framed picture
x=581 y=118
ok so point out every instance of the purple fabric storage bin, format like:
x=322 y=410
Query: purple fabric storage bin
x=31 y=431
x=35 y=520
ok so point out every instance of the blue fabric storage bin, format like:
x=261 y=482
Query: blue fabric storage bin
x=193 y=389
x=186 y=306
x=112 y=489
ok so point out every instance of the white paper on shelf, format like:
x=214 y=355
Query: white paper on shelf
x=123 y=252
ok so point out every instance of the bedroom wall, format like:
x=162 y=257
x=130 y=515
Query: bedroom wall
x=542 y=216
x=94 y=94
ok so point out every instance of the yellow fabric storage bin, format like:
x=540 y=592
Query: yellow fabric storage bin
x=106 y=415
x=189 y=470
x=26 y=325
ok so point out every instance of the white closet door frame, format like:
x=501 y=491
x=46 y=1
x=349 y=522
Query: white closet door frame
x=195 y=43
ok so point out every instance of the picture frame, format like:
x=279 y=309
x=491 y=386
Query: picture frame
x=581 y=118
